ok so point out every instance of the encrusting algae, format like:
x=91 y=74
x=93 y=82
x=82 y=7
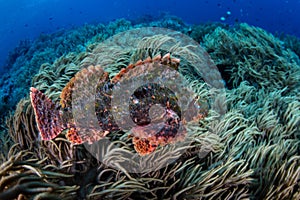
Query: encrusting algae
x=249 y=151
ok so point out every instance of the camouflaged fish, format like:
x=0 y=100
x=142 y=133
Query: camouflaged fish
x=52 y=119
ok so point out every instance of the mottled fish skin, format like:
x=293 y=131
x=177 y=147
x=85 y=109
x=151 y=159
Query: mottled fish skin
x=150 y=132
x=47 y=115
x=103 y=107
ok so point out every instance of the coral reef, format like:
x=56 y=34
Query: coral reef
x=291 y=42
x=251 y=54
x=22 y=179
x=250 y=151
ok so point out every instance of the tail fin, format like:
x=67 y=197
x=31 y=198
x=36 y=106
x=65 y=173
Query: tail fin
x=47 y=115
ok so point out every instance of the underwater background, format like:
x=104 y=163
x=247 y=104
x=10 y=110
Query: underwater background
x=246 y=147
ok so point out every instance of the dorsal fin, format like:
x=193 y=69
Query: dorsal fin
x=47 y=115
x=66 y=94
x=79 y=94
x=83 y=75
x=165 y=60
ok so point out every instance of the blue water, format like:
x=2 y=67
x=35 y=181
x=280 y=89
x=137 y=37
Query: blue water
x=27 y=19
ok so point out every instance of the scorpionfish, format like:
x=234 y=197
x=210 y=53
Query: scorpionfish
x=52 y=118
